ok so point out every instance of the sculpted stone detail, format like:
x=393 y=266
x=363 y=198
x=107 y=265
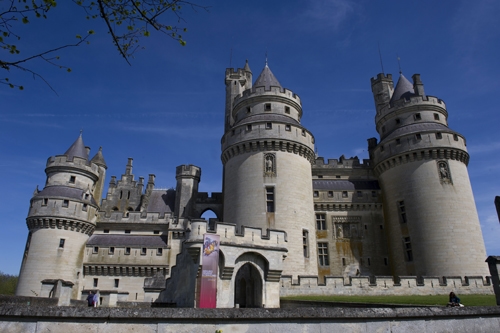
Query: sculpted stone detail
x=444 y=172
x=270 y=164
x=346 y=227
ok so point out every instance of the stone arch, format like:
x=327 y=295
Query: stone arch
x=248 y=287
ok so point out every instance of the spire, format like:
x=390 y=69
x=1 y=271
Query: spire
x=77 y=149
x=99 y=159
x=247 y=68
x=267 y=79
x=404 y=89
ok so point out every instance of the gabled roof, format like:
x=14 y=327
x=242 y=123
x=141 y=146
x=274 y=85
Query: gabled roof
x=77 y=149
x=404 y=89
x=267 y=79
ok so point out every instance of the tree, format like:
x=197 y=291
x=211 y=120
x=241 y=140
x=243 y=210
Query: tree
x=8 y=284
x=127 y=21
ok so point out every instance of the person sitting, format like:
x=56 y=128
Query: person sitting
x=454 y=300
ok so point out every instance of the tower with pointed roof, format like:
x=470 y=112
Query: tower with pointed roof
x=430 y=214
x=61 y=218
x=267 y=156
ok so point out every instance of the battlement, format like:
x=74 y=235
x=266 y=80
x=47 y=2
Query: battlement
x=414 y=100
x=135 y=217
x=380 y=77
x=386 y=285
x=229 y=233
x=233 y=73
x=342 y=163
x=273 y=91
x=72 y=162
x=203 y=197
x=187 y=170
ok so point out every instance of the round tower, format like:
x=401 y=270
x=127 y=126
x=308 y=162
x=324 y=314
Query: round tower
x=431 y=218
x=61 y=218
x=267 y=156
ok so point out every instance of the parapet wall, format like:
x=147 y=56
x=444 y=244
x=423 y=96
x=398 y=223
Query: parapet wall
x=385 y=285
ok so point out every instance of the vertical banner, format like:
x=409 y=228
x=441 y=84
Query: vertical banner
x=209 y=269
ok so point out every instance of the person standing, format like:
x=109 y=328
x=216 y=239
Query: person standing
x=96 y=300
x=90 y=299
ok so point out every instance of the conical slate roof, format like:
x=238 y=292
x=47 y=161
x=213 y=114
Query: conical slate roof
x=77 y=149
x=404 y=89
x=99 y=159
x=247 y=67
x=267 y=79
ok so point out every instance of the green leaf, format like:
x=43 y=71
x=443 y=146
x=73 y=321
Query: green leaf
x=25 y=20
x=146 y=33
x=68 y=70
x=21 y=88
x=91 y=32
x=78 y=36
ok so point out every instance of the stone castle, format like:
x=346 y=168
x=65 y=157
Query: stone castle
x=289 y=222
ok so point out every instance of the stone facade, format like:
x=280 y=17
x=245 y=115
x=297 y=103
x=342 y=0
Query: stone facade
x=289 y=223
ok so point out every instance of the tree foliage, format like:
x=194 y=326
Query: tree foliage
x=126 y=21
x=8 y=284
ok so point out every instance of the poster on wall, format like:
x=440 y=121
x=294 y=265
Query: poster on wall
x=209 y=268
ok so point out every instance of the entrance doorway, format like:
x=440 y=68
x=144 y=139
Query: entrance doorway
x=248 y=287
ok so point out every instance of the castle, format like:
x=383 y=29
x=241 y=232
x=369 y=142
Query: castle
x=284 y=216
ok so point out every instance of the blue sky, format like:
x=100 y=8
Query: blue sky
x=167 y=108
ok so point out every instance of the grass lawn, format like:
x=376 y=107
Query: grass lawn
x=442 y=300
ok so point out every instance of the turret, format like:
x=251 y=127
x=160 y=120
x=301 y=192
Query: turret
x=61 y=218
x=267 y=156
x=422 y=168
x=236 y=82
x=188 y=178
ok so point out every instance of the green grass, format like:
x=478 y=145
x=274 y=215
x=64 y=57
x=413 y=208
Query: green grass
x=441 y=300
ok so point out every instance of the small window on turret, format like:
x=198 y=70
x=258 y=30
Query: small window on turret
x=398 y=121
x=439 y=135
x=72 y=179
x=303 y=132
x=436 y=116
x=330 y=194
x=156 y=232
x=45 y=202
x=84 y=207
x=269 y=125
x=65 y=203
x=127 y=251
x=398 y=141
x=316 y=194
x=106 y=231
x=111 y=250
x=267 y=107
x=143 y=251
x=381 y=148
x=249 y=128
x=86 y=196
x=249 y=110
x=418 y=136
x=455 y=137
x=345 y=194
x=159 y=251
x=417 y=116
x=96 y=249
x=383 y=129
x=61 y=243
x=288 y=128
x=287 y=109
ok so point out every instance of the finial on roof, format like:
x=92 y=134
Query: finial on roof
x=399 y=64
x=99 y=159
x=266 y=58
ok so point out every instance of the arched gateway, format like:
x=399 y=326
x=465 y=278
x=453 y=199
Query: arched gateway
x=248 y=287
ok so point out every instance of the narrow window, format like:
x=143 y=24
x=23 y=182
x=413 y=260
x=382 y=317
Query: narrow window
x=316 y=194
x=343 y=261
x=65 y=203
x=305 y=243
x=398 y=121
x=96 y=249
x=249 y=127
x=249 y=110
x=337 y=176
x=232 y=133
x=303 y=132
x=439 y=135
x=117 y=283
x=61 y=243
x=436 y=116
x=455 y=137
x=402 y=211
x=72 y=179
x=159 y=251
x=320 y=176
x=127 y=250
x=330 y=194
x=323 y=254
x=398 y=141
x=345 y=194
x=418 y=136
x=127 y=231
x=95 y=283
x=156 y=232
x=360 y=194
x=143 y=251
x=267 y=107
x=270 y=199
x=368 y=261
x=121 y=192
x=386 y=261
x=86 y=196
x=383 y=129
x=381 y=148
x=45 y=202
x=106 y=231
x=84 y=207
x=407 y=248
x=287 y=109
x=417 y=116
x=381 y=227
x=128 y=194
x=269 y=125
x=288 y=128
x=320 y=222
x=111 y=250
